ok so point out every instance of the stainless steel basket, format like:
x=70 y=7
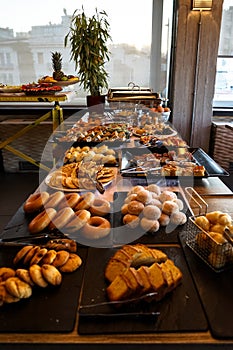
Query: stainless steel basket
x=218 y=256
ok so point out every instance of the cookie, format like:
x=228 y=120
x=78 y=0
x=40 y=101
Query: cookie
x=37 y=277
x=61 y=258
x=51 y=274
x=21 y=254
x=72 y=264
x=38 y=256
x=5 y=273
x=18 y=288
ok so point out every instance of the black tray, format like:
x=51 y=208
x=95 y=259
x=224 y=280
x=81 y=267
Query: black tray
x=123 y=234
x=199 y=156
x=215 y=290
x=50 y=309
x=181 y=310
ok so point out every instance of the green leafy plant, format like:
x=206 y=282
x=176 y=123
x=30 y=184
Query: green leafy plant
x=88 y=37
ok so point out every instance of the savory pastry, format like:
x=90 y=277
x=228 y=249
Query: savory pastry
x=51 y=274
x=19 y=289
x=24 y=275
x=37 y=277
x=61 y=258
x=5 y=273
x=21 y=254
x=73 y=263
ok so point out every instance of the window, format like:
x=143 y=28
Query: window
x=224 y=76
x=33 y=37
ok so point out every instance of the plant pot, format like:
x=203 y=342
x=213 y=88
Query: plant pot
x=96 y=103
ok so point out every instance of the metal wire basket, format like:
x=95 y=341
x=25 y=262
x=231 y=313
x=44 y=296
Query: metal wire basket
x=217 y=254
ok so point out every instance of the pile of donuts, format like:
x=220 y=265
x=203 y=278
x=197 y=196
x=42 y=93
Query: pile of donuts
x=44 y=268
x=211 y=238
x=150 y=208
x=70 y=213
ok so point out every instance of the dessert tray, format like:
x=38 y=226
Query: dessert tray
x=143 y=161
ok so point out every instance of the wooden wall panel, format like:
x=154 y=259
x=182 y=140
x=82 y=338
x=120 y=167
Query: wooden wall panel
x=194 y=71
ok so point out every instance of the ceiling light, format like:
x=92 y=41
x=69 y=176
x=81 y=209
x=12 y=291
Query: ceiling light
x=202 y=5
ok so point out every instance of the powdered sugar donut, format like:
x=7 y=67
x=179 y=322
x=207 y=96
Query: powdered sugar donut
x=154 y=188
x=151 y=212
x=164 y=219
x=144 y=196
x=169 y=207
x=149 y=225
x=178 y=218
x=131 y=220
x=167 y=196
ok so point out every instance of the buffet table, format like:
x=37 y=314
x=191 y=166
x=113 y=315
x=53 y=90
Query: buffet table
x=198 y=318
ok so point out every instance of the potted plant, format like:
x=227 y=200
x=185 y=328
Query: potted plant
x=88 y=38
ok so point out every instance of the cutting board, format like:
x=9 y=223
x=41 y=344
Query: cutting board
x=51 y=309
x=180 y=310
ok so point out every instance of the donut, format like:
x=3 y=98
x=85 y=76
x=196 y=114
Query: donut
x=151 y=212
x=131 y=220
x=42 y=220
x=154 y=188
x=85 y=201
x=178 y=218
x=156 y=202
x=149 y=225
x=167 y=196
x=69 y=200
x=164 y=219
x=130 y=197
x=81 y=218
x=135 y=207
x=144 y=196
x=124 y=209
x=35 y=202
x=62 y=217
x=54 y=199
x=100 y=207
x=180 y=203
x=136 y=189
x=96 y=227
x=169 y=207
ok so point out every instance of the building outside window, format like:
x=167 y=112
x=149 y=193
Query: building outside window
x=31 y=39
x=223 y=97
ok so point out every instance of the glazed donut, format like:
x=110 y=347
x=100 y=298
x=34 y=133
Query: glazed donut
x=100 y=207
x=42 y=220
x=167 y=196
x=62 y=217
x=96 y=227
x=54 y=199
x=169 y=207
x=144 y=196
x=135 y=207
x=81 y=218
x=35 y=202
x=85 y=201
x=131 y=220
x=69 y=200
x=149 y=225
x=151 y=212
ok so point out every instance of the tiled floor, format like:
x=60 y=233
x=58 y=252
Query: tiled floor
x=16 y=187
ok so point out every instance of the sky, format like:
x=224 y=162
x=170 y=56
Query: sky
x=20 y=15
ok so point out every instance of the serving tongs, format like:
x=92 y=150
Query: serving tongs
x=97 y=183
x=120 y=305
x=31 y=239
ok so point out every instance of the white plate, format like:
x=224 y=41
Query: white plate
x=65 y=189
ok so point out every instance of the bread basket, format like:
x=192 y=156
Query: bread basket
x=218 y=255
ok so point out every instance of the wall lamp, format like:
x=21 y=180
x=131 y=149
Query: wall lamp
x=202 y=5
